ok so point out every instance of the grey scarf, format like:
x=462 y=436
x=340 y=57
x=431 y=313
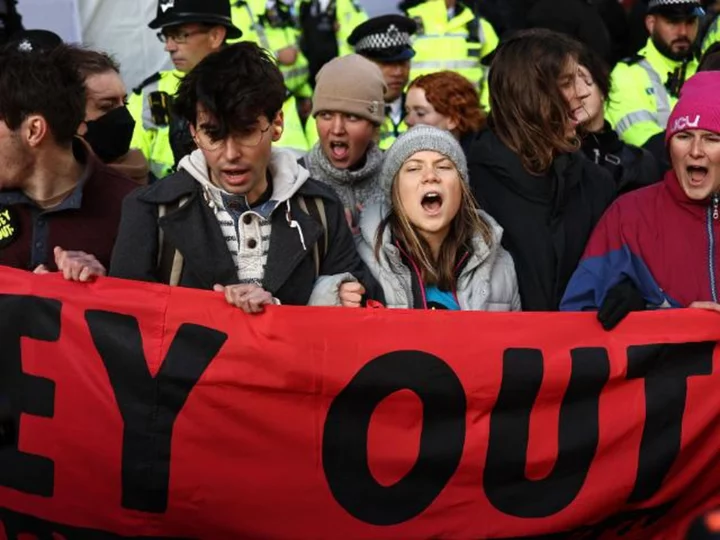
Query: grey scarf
x=361 y=186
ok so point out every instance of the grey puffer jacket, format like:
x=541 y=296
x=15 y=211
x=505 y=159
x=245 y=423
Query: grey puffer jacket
x=486 y=282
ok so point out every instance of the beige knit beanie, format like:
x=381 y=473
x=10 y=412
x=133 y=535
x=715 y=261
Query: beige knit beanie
x=353 y=85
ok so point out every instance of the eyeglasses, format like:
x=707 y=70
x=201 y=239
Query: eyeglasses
x=249 y=140
x=179 y=37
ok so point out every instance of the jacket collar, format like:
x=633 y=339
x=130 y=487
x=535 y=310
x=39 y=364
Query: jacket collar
x=698 y=208
x=660 y=63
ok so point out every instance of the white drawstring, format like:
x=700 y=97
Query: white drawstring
x=294 y=224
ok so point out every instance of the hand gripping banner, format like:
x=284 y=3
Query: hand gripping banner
x=145 y=412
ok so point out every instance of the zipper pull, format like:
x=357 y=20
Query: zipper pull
x=715 y=205
x=597 y=156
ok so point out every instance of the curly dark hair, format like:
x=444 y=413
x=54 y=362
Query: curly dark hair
x=454 y=96
x=236 y=86
x=45 y=83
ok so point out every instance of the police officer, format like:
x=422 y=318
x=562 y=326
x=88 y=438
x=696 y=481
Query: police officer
x=645 y=88
x=272 y=25
x=326 y=26
x=190 y=30
x=386 y=41
x=451 y=36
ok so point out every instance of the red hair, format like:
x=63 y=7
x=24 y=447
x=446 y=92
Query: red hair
x=454 y=96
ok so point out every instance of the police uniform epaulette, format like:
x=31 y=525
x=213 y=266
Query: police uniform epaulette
x=151 y=79
x=634 y=59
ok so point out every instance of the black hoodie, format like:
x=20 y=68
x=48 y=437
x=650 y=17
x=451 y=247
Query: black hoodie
x=547 y=219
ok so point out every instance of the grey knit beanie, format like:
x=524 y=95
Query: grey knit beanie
x=351 y=84
x=417 y=139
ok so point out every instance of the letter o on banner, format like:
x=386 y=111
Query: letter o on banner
x=345 y=438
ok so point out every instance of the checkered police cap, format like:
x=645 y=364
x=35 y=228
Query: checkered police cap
x=389 y=39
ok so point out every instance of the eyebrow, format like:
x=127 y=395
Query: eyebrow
x=439 y=160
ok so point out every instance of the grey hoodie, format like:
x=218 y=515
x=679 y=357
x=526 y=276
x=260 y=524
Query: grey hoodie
x=487 y=281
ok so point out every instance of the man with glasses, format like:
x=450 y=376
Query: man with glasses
x=190 y=30
x=240 y=216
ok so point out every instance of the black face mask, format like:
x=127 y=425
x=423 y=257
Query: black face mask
x=109 y=136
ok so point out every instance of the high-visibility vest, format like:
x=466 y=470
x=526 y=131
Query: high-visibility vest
x=348 y=15
x=151 y=136
x=246 y=16
x=640 y=104
x=458 y=44
x=712 y=35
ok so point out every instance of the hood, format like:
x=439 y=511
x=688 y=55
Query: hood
x=565 y=172
x=287 y=178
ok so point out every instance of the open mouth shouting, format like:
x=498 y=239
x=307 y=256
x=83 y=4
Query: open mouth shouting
x=696 y=174
x=339 y=150
x=236 y=176
x=432 y=203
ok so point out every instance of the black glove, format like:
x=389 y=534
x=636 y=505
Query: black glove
x=622 y=299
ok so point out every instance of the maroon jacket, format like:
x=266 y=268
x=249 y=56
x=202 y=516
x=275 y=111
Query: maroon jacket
x=87 y=220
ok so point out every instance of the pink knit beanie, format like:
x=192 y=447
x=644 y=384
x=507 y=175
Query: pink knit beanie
x=699 y=105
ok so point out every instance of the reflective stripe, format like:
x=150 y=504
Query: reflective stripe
x=481 y=32
x=463 y=35
x=629 y=120
x=662 y=99
x=147 y=119
x=292 y=73
x=446 y=64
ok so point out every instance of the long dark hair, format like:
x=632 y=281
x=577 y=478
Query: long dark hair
x=529 y=113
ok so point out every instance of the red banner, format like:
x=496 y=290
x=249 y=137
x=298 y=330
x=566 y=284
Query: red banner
x=149 y=412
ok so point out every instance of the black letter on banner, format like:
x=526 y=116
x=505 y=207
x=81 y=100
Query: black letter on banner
x=665 y=369
x=345 y=456
x=506 y=485
x=149 y=406
x=34 y=318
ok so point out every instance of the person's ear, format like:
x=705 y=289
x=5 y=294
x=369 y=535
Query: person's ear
x=217 y=35
x=82 y=128
x=278 y=126
x=650 y=21
x=35 y=129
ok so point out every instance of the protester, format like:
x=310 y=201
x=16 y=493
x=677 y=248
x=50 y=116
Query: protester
x=348 y=108
x=630 y=166
x=108 y=125
x=656 y=247
x=646 y=87
x=525 y=170
x=386 y=42
x=58 y=202
x=240 y=216
x=190 y=30
x=426 y=244
x=448 y=101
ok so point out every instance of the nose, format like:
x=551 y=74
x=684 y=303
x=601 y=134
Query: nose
x=170 y=45
x=231 y=150
x=410 y=119
x=582 y=88
x=337 y=127
x=696 y=149
x=683 y=30
x=430 y=175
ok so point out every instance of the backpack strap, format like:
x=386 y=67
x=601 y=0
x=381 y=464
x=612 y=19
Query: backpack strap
x=316 y=210
x=170 y=260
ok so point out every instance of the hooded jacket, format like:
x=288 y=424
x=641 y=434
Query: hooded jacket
x=547 y=220
x=194 y=230
x=485 y=274
x=658 y=238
